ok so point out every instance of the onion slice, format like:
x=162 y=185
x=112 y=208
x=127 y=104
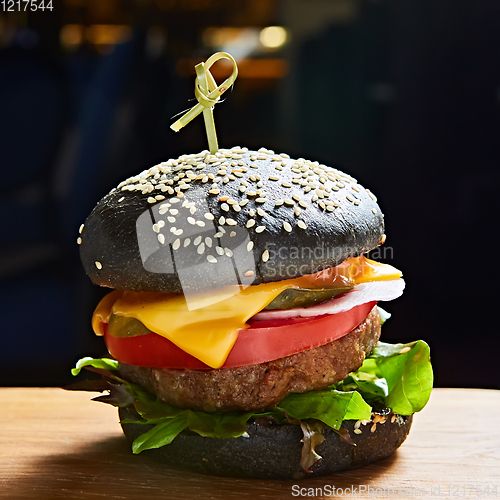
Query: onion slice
x=360 y=294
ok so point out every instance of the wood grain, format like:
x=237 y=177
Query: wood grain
x=56 y=444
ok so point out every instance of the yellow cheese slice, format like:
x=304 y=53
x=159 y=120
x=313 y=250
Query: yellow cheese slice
x=209 y=333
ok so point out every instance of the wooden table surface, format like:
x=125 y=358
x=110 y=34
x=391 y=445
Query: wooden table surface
x=56 y=444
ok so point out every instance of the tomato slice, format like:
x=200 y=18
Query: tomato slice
x=263 y=341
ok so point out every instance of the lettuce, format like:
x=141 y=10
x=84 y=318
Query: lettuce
x=393 y=376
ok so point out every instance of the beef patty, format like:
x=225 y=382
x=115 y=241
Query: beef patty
x=262 y=385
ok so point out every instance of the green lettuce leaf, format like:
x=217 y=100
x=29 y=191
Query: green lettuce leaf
x=329 y=406
x=161 y=434
x=408 y=372
x=102 y=363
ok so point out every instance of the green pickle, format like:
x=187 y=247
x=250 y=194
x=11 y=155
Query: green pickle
x=121 y=326
x=305 y=297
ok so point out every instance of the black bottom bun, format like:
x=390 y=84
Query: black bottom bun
x=275 y=452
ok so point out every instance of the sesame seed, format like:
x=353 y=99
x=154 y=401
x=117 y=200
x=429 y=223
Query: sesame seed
x=286 y=184
x=236 y=208
x=121 y=199
x=156 y=228
x=274 y=178
x=98 y=265
x=373 y=428
x=209 y=216
x=178 y=232
x=251 y=212
x=231 y=222
x=171 y=219
x=174 y=200
x=211 y=259
x=200 y=223
x=191 y=220
x=248 y=273
x=349 y=197
x=355 y=188
x=287 y=226
x=214 y=191
x=159 y=197
x=174 y=211
x=250 y=223
x=278 y=203
x=242 y=203
x=151 y=200
x=249 y=246
x=357 y=431
x=289 y=202
x=302 y=224
x=219 y=250
x=197 y=240
x=208 y=242
x=225 y=207
x=161 y=238
x=265 y=256
x=232 y=234
x=81 y=228
x=222 y=221
x=297 y=211
x=330 y=208
x=187 y=241
x=260 y=229
x=260 y=200
x=261 y=212
x=192 y=210
x=228 y=252
x=374 y=210
x=176 y=245
x=223 y=198
x=201 y=248
x=79 y=241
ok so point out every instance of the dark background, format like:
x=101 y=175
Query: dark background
x=403 y=94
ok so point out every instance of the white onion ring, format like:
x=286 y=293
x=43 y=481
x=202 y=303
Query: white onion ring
x=360 y=294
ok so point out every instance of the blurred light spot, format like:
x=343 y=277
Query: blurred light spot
x=107 y=34
x=71 y=36
x=273 y=37
x=239 y=42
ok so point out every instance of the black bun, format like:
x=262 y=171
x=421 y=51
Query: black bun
x=281 y=218
x=275 y=452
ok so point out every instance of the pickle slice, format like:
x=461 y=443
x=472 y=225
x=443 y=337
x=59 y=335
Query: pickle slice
x=305 y=297
x=120 y=326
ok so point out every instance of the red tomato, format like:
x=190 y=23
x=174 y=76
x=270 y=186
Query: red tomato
x=262 y=341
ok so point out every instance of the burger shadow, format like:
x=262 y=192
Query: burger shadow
x=108 y=467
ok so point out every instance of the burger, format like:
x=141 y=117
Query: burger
x=243 y=326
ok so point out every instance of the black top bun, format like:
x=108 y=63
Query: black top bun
x=238 y=216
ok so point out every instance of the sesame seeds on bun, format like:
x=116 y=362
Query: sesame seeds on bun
x=201 y=217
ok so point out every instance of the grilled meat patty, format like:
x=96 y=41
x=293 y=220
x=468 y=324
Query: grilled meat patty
x=262 y=385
